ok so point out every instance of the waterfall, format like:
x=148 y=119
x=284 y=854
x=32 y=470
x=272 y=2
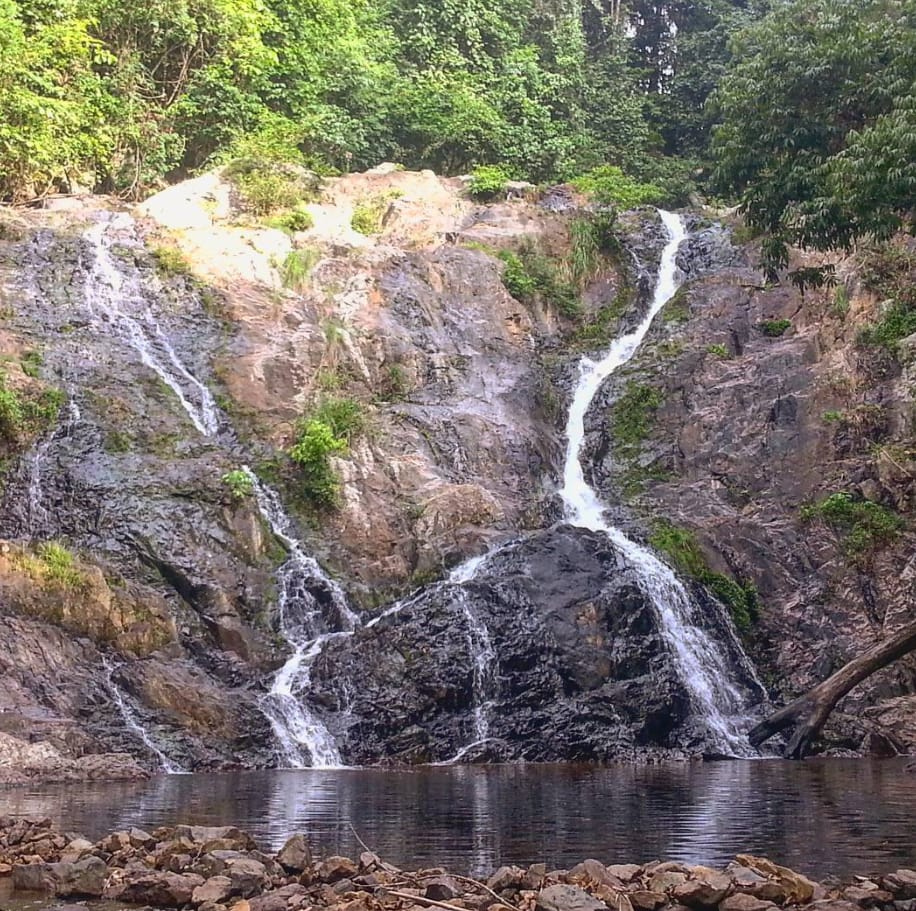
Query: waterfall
x=134 y=725
x=700 y=661
x=306 y=623
x=116 y=298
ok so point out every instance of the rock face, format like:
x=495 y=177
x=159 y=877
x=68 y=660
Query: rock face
x=578 y=665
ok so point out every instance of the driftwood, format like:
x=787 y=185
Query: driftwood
x=810 y=712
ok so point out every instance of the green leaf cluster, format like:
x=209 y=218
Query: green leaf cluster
x=865 y=526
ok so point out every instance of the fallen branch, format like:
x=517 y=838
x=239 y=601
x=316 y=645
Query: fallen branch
x=810 y=712
x=419 y=898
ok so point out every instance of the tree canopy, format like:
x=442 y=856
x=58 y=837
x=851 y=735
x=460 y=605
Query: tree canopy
x=818 y=124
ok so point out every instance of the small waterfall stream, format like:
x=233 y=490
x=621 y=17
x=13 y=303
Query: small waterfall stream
x=37 y=514
x=702 y=665
x=134 y=725
x=115 y=298
x=306 y=623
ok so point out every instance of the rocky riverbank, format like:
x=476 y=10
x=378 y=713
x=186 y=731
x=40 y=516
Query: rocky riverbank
x=223 y=869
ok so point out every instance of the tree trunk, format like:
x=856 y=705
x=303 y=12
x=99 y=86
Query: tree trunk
x=810 y=712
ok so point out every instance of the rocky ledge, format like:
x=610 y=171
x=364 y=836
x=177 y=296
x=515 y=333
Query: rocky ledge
x=222 y=869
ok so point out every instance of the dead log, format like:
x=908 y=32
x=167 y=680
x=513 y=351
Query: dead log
x=810 y=712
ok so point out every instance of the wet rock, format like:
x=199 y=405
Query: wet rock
x=562 y=897
x=296 y=854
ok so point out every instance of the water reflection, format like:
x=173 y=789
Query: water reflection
x=822 y=817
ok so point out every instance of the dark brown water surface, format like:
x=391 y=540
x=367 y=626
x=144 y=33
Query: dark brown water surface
x=830 y=817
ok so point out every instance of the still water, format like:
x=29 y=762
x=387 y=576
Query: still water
x=825 y=818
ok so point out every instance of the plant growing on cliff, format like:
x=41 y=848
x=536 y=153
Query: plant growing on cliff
x=369 y=212
x=682 y=549
x=297 y=267
x=774 y=328
x=315 y=444
x=11 y=413
x=633 y=414
x=529 y=274
x=52 y=563
x=239 y=483
x=864 y=526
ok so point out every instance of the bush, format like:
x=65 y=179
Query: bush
x=530 y=274
x=774 y=328
x=344 y=416
x=865 y=526
x=239 y=483
x=608 y=185
x=296 y=220
x=315 y=444
x=170 y=261
x=60 y=565
x=11 y=413
x=720 y=351
x=488 y=182
x=264 y=186
x=31 y=362
x=369 y=212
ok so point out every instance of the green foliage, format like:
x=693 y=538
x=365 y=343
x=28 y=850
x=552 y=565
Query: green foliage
x=681 y=548
x=488 y=182
x=11 y=413
x=60 y=565
x=315 y=444
x=346 y=417
x=608 y=185
x=369 y=212
x=27 y=412
x=297 y=267
x=720 y=351
x=265 y=185
x=634 y=413
x=865 y=526
x=774 y=328
x=529 y=275
x=297 y=219
x=170 y=261
x=601 y=329
x=889 y=271
x=818 y=124
x=239 y=483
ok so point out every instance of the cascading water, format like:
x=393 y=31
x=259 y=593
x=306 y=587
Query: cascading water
x=306 y=624
x=115 y=297
x=38 y=515
x=700 y=661
x=134 y=725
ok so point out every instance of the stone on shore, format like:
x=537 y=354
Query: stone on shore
x=561 y=897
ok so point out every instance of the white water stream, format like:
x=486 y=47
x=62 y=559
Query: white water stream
x=702 y=665
x=304 y=622
x=115 y=297
x=133 y=724
x=38 y=515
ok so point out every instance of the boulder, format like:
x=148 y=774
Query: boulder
x=247 y=875
x=666 y=880
x=706 y=892
x=217 y=838
x=333 y=868
x=84 y=878
x=159 y=888
x=645 y=900
x=296 y=854
x=216 y=889
x=795 y=888
x=443 y=888
x=506 y=878
x=594 y=871
x=741 y=901
x=561 y=897
x=625 y=872
x=902 y=883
